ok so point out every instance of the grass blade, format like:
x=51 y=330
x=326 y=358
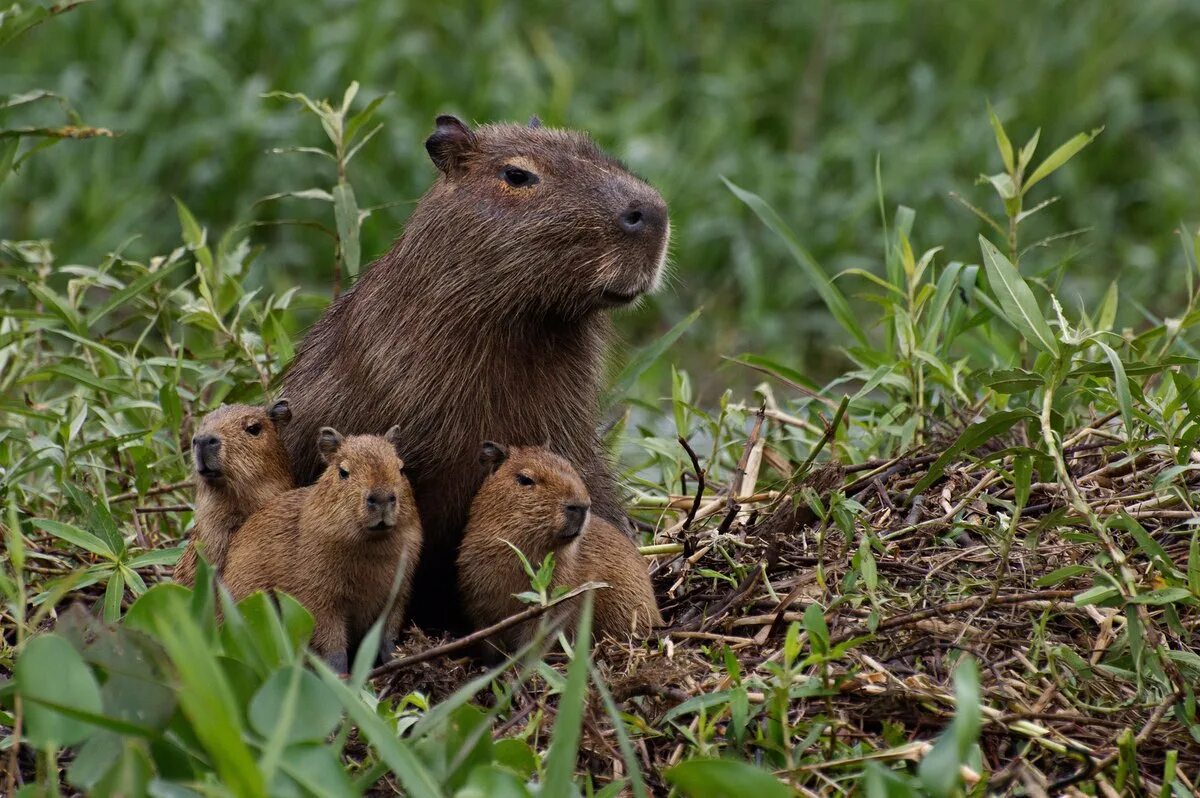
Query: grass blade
x=833 y=298
x=564 y=740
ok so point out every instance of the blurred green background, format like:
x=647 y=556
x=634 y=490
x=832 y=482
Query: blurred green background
x=792 y=100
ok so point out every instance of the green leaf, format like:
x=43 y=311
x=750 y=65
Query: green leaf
x=58 y=306
x=113 y=594
x=206 y=696
x=971 y=438
x=818 y=632
x=1002 y=143
x=129 y=775
x=643 y=359
x=725 y=778
x=134 y=289
x=76 y=537
x=816 y=275
x=1059 y=157
x=1193 y=567
x=8 y=153
x=941 y=769
x=50 y=671
x=345 y=210
x=1121 y=384
x=564 y=738
x=397 y=753
x=193 y=233
x=1165 y=595
x=316 y=711
x=1017 y=301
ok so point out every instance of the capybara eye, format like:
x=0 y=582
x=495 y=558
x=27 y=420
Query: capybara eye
x=524 y=479
x=254 y=429
x=517 y=177
x=343 y=473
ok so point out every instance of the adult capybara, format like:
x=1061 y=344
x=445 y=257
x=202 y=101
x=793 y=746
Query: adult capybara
x=240 y=464
x=488 y=319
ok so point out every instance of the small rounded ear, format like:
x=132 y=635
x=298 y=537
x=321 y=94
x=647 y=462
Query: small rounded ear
x=392 y=436
x=492 y=455
x=280 y=413
x=534 y=121
x=450 y=144
x=329 y=441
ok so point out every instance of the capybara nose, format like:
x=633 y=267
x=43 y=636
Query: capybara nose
x=642 y=216
x=574 y=516
x=381 y=498
x=207 y=443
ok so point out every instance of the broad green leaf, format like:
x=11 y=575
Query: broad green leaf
x=1016 y=300
x=50 y=671
x=1165 y=595
x=1059 y=157
x=724 y=778
x=75 y=536
x=315 y=714
x=820 y=281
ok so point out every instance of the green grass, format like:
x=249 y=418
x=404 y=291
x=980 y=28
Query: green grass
x=796 y=102
x=959 y=556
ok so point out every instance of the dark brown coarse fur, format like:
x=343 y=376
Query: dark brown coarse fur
x=536 y=501
x=488 y=319
x=336 y=545
x=240 y=464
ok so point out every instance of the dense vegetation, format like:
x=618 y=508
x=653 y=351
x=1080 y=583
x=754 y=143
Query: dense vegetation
x=968 y=561
x=796 y=100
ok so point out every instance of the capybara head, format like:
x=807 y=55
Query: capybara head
x=235 y=444
x=532 y=498
x=549 y=214
x=363 y=486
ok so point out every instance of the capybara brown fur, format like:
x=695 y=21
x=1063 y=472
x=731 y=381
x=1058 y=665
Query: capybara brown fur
x=336 y=545
x=488 y=319
x=534 y=500
x=240 y=464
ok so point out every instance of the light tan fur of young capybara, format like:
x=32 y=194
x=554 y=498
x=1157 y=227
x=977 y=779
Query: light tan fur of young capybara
x=240 y=464
x=336 y=545
x=536 y=501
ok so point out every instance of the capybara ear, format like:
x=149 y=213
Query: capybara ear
x=492 y=455
x=534 y=121
x=329 y=441
x=280 y=413
x=392 y=436
x=450 y=144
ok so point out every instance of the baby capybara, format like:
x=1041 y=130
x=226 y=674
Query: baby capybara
x=240 y=464
x=487 y=319
x=336 y=545
x=534 y=500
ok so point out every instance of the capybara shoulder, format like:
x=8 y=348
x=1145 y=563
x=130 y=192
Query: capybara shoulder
x=239 y=464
